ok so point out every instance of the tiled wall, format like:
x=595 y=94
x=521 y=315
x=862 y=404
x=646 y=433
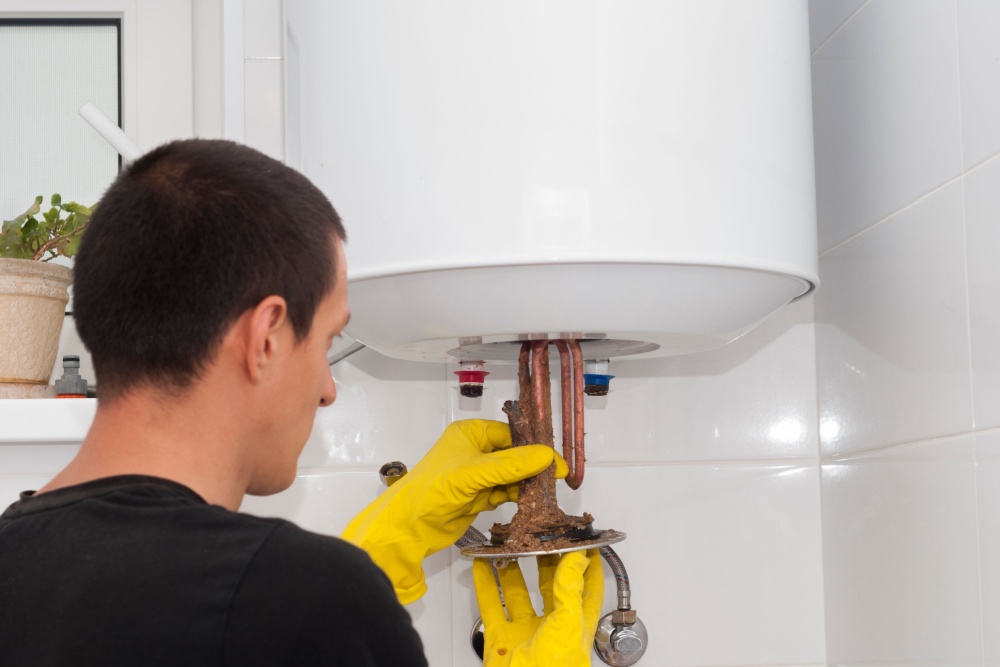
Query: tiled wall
x=906 y=99
x=764 y=530
x=708 y=462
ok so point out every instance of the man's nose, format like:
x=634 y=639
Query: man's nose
x=329 y=394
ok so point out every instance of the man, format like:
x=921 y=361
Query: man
x=208 y=290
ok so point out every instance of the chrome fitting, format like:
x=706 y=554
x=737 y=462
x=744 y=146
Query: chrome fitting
x=392 y=472
x=623 y=617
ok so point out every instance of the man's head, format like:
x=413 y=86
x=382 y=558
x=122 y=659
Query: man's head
x=188 y=238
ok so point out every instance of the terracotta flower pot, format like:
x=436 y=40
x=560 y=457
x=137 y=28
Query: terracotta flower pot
x=33 y=298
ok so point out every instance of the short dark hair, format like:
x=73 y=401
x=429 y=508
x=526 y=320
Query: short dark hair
x=187 y=238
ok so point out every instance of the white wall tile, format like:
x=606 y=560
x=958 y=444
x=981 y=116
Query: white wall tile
x=207 y=80
x=11 y=487
x=948 y=663
x=385 y=410
x=900 y=556
x=233 y=71
x=892 y=340
x=724 y=561
x=988 y=486
x=264 y=107
x=825 y=16
x=982 y=211
x=886 y=113
x=320 y=502
x=38 y=459
x=164 y=73
x=262 y=28
x=752 y=399
x=979 y=61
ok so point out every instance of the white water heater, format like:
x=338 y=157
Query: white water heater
x=636 y=174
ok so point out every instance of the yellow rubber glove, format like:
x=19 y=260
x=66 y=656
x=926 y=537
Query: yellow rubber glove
x=572 y=589
x=471 y=468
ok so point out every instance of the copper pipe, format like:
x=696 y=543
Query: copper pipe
x=539 y=370
x=522 y=358
x=526 y=391
x=575 y=477
x=567 y=402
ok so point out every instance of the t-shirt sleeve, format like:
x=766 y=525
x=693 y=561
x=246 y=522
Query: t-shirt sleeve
x=309 y=599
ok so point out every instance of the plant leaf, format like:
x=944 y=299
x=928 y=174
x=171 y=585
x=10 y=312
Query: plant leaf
x=32 y=210
x=30 y=228
x=62 y=226
x=73 y=245
x=10 y=240
x=25 y=236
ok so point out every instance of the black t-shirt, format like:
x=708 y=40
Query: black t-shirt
x=137 y=570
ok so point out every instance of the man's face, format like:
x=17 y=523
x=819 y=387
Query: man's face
x=304 y=384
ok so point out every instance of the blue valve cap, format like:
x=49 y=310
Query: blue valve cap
x=595 y=384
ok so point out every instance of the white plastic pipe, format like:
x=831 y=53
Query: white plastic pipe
x=111 y=132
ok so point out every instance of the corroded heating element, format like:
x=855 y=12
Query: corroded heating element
x=540 y=526
x=531 y=423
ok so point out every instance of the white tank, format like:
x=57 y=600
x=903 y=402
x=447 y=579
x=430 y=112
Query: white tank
x=634 y=174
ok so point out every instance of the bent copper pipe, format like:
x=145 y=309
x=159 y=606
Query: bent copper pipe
x=575 y=477
x=571 y=363
x=522 y=359
x=565 y=370
x=571 y=371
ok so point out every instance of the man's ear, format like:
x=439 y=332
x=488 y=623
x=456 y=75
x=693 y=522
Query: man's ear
x=266 y=319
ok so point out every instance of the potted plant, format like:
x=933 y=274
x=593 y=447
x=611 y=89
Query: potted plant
x=34 y=292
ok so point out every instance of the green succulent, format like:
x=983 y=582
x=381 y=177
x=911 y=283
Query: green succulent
x=57 y=232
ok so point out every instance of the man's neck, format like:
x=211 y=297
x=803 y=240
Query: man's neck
x=181 y=439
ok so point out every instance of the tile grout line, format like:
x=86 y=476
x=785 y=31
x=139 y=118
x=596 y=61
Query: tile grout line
x=840 y=27
x=819 y=481
x=968 y=340
x=961 y=176
x=796 y=462
x=965 y=235
x=453 y=645
x=865 y=453
x=892 y=215
x=981 y=163
x=449 y=417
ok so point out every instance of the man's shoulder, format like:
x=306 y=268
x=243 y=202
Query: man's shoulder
x=308 y=598
x=289 y=543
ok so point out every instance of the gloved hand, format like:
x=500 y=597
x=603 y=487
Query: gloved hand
x=572 y=592
x=471 y=468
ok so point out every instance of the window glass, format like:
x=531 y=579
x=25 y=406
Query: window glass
x=48 y=70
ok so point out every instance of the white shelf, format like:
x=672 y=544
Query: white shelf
x=48 y=420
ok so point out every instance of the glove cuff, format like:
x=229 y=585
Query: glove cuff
x=411 y=594
x=401 y=561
